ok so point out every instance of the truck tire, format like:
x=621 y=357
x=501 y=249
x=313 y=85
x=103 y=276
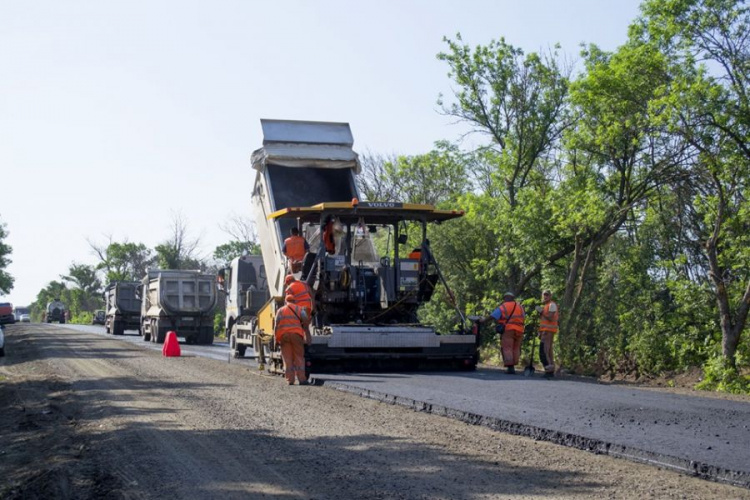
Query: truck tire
x=117 y=328
x=207 y=335
x=159 y=332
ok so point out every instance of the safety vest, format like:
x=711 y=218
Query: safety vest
x=328 y=239
x=301 y=293
x=289 y=320
x=512 y=316
x=548 y=320
x=295 y=248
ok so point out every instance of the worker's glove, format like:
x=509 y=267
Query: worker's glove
x=539 y=309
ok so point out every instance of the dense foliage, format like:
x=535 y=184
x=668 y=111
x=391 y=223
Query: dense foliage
x=623 y=188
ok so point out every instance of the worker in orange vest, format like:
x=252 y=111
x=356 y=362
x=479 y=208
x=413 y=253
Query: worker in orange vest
x=509 y=317
x=329 y=239
x=301 y=291
x=291 y=334
x=295 y=247
x=548 y=326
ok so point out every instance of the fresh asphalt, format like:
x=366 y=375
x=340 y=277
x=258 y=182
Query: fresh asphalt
x=707 y=437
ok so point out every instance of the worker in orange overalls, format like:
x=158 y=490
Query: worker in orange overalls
x=291 y=334
x=301 y=291
x=511 y=316
x=329 y=239
x=548 y=326
x=295 y=247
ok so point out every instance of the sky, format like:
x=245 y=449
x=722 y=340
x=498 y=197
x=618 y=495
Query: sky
x=115 y=116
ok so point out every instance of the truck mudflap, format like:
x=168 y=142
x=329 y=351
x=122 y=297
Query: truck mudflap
x=367 y=346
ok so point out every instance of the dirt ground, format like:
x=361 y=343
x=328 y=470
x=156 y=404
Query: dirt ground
x=86 y=416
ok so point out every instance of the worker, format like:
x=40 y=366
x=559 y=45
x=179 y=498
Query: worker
x=292 y=334
x=329 y=239
x=548 y=325
x=510 y=317
x=301 y=291
x=295 y=247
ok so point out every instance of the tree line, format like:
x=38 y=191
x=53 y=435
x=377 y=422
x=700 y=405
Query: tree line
x=81 y=289
x=622 y=186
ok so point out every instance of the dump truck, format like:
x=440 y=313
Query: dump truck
x=179 y=300
x=246 y=293
x=55 y=312
x=366 y=296
x=122 y=302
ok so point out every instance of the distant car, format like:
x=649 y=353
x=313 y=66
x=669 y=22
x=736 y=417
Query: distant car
x=2 y=341
x=99 y=317
x=25 y=318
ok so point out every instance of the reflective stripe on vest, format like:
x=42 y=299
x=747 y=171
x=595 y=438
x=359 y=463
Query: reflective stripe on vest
x=548 y=321
x=289 y=320
x=295 y=248
x=514 y=322
x=301 y=293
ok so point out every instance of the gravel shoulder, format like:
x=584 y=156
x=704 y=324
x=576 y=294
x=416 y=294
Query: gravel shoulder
x=86 y=416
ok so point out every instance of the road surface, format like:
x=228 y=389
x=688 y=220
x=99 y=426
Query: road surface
x=697 y=435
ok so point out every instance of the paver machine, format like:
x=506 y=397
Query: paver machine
x=367 y=291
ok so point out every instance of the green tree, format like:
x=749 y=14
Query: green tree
x=518 y=102
x=88 y=291
x=123 y=261
x=6 y=280
x=709 y=107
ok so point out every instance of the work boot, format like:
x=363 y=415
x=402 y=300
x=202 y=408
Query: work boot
x=549 y=375
x=510 y=370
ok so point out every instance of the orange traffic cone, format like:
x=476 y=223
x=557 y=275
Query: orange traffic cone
x=171 y=345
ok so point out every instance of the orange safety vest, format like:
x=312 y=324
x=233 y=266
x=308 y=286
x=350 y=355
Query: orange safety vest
x=547 y=320
x=295 y=248
x=301 y=293
x=512 y=316
x=328 y=239
x=289 y=320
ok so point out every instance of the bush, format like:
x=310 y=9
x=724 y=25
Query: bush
x=82 y=318
x=219 y=318
x=719 y=376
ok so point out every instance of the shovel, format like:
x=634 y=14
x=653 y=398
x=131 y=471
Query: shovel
x=529 y=370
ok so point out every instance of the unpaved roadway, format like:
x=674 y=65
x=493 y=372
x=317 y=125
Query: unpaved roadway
x=89 y=416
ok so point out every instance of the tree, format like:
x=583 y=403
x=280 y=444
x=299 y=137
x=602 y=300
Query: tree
x=85 y=278
x=376 y=182
x=518 y=102
x=179 y=251
x=6 y=280
x=244 y=239
x=709 y=107
x=123 y=261
x=620 y=155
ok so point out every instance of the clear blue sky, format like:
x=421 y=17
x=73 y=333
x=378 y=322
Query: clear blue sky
x=114 y=115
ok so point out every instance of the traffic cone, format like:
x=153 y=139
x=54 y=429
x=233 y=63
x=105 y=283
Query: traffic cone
x=171 y=345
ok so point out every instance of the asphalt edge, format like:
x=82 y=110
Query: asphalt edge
x=689 y=467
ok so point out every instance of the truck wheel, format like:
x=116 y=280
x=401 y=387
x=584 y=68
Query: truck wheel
x=117 y=328
x=207 y=335
x=160 y=332
x=2 y=352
